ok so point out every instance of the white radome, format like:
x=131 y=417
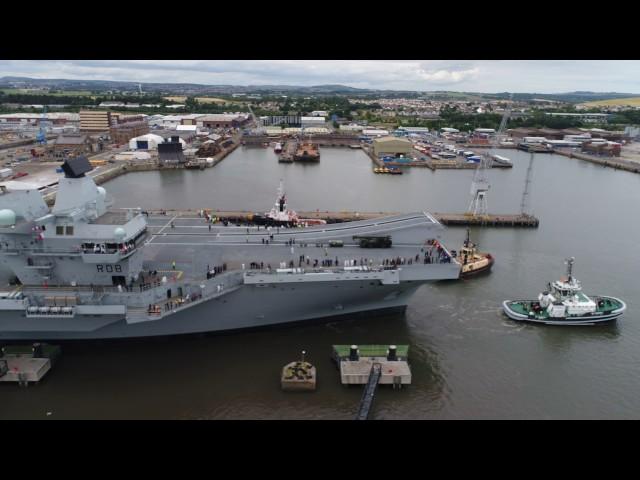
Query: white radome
x=119 y=233
x=7 y=218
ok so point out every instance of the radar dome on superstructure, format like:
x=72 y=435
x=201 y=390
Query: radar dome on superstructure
x=7 y=218
x=119 y=233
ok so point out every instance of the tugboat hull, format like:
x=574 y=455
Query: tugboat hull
x=476 y=271
x=517 y=310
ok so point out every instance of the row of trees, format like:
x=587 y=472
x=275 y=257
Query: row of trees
x=80 y=100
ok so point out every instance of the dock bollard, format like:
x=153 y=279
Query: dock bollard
x=353 y=353
x=391 y=353
x=37 y=350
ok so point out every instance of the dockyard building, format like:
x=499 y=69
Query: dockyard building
x=95 y=121
x=391 y=146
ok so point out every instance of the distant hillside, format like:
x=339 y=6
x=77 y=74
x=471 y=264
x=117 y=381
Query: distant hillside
x=571 y=97
x=332 y=89
x=184 y=88
x=635 y=101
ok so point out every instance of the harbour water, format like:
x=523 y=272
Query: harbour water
x=468 y=360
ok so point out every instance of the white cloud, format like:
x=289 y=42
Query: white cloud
x=448 y=77
x=539 y=76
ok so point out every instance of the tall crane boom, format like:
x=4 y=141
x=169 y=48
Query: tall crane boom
x=525 y=204
x=41 y=137
x=500 y=134
x=480 y=184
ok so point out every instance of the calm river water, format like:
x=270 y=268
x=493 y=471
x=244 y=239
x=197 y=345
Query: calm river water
x=468 y=359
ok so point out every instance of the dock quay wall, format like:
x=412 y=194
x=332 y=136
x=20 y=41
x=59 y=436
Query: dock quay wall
x=22 y=143
x=604 y=161
x=256 y=139
x=321 y=140
x=369 y=151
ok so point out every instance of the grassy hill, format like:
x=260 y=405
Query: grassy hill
x=635 y=101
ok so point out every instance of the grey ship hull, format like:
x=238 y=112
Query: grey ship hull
x=249 y=298
x=247 y=307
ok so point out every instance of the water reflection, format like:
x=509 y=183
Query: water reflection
x=564 y=338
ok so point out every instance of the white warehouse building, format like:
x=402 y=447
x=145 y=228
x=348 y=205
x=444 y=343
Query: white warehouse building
x=313 y=121
x=149 y=141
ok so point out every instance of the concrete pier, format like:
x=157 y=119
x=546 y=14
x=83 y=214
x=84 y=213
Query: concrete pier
x=612 y=162
x=453 y=219
x=491 y=220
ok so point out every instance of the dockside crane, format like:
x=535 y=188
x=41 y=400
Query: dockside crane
x=480 y=184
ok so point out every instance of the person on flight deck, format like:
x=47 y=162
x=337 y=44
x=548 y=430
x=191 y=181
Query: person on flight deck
x=173 y=265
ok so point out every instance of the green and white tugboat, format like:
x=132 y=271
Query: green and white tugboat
x=564 y=303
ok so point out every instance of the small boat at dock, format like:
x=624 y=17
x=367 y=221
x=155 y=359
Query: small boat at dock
x=387 y=170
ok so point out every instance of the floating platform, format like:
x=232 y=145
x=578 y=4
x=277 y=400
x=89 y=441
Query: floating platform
x=355 y=369
x=356 y=372
x=26 y=364
x=298 y=377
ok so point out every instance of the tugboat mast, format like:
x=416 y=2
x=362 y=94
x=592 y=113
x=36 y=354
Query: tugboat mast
x=281 y=203
x=569 y=263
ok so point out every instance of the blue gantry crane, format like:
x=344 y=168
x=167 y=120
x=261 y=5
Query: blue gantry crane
x=41 y=137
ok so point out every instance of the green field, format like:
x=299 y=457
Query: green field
x=26 y=91
x=635 y=101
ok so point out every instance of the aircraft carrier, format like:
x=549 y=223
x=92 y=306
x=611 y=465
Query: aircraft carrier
x=85 y=271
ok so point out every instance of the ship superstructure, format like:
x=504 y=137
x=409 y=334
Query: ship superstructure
x=87 y=271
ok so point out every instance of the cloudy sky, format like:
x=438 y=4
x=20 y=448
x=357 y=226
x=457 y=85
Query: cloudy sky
x=540 y=76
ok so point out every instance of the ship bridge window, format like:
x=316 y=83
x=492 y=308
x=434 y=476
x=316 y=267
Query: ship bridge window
x=59 y=230
x=69 y=229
